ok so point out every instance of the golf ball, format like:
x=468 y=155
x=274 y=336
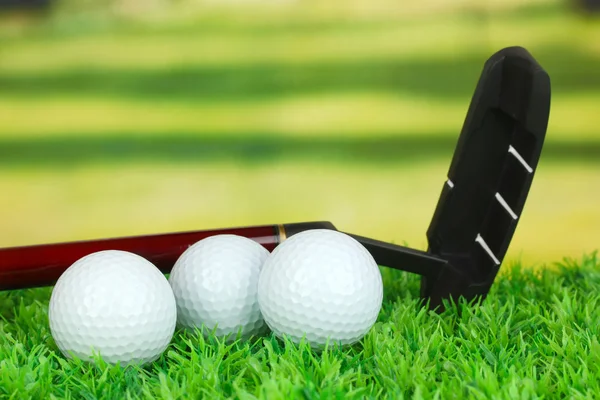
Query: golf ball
x=215 y=285
x=115 y=304
x=322 y=285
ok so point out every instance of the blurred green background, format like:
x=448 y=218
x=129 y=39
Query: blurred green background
x=132 y=117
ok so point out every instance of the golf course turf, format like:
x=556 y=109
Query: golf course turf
x=535 y=336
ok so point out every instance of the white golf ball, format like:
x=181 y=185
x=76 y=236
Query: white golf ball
x=320 y=284
x=113 y=303
x=215 y=285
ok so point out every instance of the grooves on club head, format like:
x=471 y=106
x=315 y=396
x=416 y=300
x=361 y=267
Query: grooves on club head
x=489 y=177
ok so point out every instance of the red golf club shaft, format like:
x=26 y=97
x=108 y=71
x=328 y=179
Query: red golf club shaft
x=41 y=265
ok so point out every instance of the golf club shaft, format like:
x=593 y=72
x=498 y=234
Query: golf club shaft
x=41 y=265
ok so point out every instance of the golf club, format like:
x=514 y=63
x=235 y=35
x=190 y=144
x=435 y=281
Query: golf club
x=480 y=205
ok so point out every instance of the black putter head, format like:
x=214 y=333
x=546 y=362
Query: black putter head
x=488 y=182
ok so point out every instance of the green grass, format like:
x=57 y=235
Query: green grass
x=536 y=336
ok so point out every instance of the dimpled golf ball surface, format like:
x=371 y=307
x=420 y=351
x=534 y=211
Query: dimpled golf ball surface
x=215 y=283
x=114 y=303
x=320 y=284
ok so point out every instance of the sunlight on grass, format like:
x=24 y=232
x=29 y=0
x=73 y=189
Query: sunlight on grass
x=359 y=114
x=433 y=38
x=299 y=115
x=575 y=116
x=392 y=203
x=150 y=51
x=289 y=11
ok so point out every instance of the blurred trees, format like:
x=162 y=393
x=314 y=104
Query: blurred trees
x=588 y=6
x=25 y=4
